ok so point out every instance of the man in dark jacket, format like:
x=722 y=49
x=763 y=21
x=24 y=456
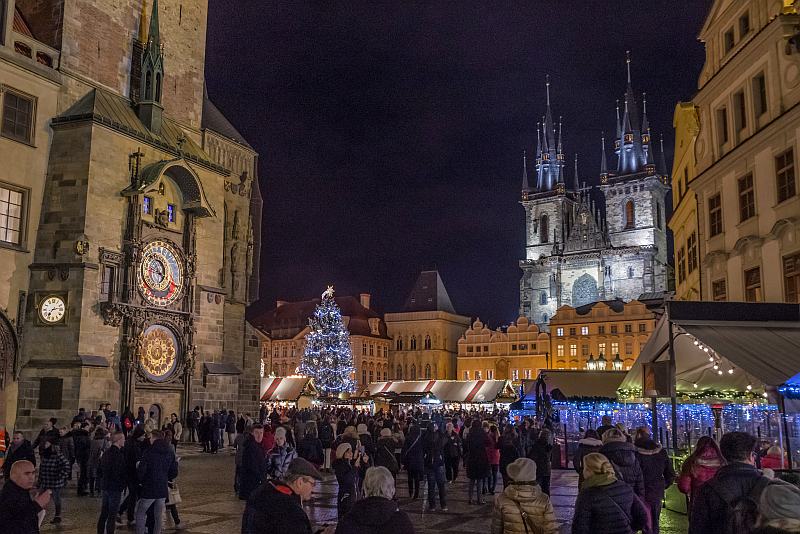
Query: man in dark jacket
x=48 y=431
x=541 y=452
x=132 y=452
x=254 y=463
x=657 y=472
x=82 y=444
x=622 y=456
x=434 y=442
x=18 y=511
x=712 y=507
x=276 y=506
x=156 y=468
x=113 y=481
x=20 y=449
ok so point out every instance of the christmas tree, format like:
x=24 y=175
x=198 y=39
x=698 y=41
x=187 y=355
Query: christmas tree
x=327 y=358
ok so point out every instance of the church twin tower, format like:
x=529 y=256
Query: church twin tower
x=575 y=254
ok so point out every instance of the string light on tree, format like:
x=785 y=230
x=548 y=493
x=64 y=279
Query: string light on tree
x=327 y=357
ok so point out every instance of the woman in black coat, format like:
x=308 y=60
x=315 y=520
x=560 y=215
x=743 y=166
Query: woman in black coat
x=657 y=472
x=541 y=454
x=476 y=460
x=413 y=456
x=510 y=450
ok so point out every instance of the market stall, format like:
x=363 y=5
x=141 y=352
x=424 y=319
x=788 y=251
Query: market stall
x=291 y=391
x=449 y=394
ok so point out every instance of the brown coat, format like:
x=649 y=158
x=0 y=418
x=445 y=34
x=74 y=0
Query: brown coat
x=507 y=518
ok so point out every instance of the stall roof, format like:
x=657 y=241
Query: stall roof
x=564 y=385
x=461 y=391
x=288 y=388
x=761 y=342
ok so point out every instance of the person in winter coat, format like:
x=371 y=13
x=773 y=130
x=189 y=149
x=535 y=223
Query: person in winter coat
x=433 y=446
x=19 y=510
x=253 y=466
x=310 y=446
x=280 y=456
x=48 y=431
x=67 y=447
x=325 y=432
x=377 y=513
x=20 y=449
x=700 y=466
x=132 y=451
x=230 y=427
x=177 y=429
x=346 y=477
x=493 y=452
x=606 y=505
x=589 y=443
x=657 y=472
x=779 y=509
x=366 y=439
x=540 y=453
x=523 y=508
x=510 y=449
x=53 y=471
x=156 y=468
x=452 y=453
x=414 y=460
x=622 y=456
x=606 y=424
x=83 y=444
x=476 y=460
x=113 y=481
x=96 y=449
x=384 y=452
x=774 y=459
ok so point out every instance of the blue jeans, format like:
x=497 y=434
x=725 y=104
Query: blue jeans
x=142 y=505
x=108 y=512
x=436 y=479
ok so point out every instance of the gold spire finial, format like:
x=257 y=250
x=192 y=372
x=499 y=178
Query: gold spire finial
x=143 y=23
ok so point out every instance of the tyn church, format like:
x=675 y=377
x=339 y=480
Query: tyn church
x=575 y=254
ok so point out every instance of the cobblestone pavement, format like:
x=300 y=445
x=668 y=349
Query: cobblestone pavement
x=210 y=506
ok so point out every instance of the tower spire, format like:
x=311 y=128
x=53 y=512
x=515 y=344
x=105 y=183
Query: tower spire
x=149 y=107
x=603 y=160
x=143 y=22
x=628 y=63
x=538 y=140
x=661 y=159
x=560 y=146
x=525 y=187
x=645 y=122
x=577 y=181
x=619 y=124
x=547 y=89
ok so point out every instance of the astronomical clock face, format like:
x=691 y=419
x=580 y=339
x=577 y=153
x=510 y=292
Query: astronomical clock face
x=159 y=353
x=52 y=309
x=160 y=274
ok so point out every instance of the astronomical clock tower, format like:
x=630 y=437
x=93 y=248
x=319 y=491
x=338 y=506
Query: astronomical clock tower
x=147 y=250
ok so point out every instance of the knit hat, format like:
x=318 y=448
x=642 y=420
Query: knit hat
x=303 y=467
x=386 y=432
x=780 y=500
x=522 y=470
x=342 y=449
x=362 y=428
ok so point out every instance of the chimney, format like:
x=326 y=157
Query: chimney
x=280 y=303
x=365 y=299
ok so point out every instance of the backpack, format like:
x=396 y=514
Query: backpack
x=741 y=511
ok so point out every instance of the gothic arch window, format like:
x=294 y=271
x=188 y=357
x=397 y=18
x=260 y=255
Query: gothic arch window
x=543 y=298
x=544 y=318
x=158 y=88
x=413 y=372
x=413 y=342
x=399 y=374
x=630 y=213
x=658 y=215
x=428 y=371
x=399 y=343
x=630 y=272
x=584 y=290
x=427 y=342
x=544 y=230
x=148 y=85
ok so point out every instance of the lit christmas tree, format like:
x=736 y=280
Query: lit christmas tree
x=327 y=358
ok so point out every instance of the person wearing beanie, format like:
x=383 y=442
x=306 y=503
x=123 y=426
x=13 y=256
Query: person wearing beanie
x=384 y=452
x=523 y=507
x=779 y=509
x=346 y=469
x=606 y=505
x=281 y=455
x=657 y=472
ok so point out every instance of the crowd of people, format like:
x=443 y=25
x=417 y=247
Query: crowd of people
x=281 y=454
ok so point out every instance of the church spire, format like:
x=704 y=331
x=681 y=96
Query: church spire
x=645 y=122
x=150 y=109
x=525 y=187
x=662 y=164
x=577 y=181
x=603 y=160
x=538 y=140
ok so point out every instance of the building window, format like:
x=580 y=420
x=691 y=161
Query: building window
x=760 y=94
x=559 y=332
x=524 y=346
x=722 y=125
x=469 y=349
x=614 y=348
x=573 y=349
x=631 y=272
x=12 y=212
x=147 y=206
x=413 y=372
x=572 y=331
x=490 y=374
x=628 y=347
x=601 y=348
x=791 y=278
x=371 y=349
x=628 y=328
x=752 y=285
x=691 y=247
x=515 y=374
x=427 y=342
x=399 y=374
x=371 y=376
x=613 y=329
x=784 y=171
x=400 y=343
x=728 y=40
x=584 y=350
x=513 y=347
x=50 y=393
x=560 y=351
x=478 y=348
x=466 y=375
x=601 y=329
x=747 y=198
x=363 y=349
x=543 y=298
x=630 y=213
x=642 y=327
x=719 y=290
x=107 y=284
x=385 y=374
x=584 y=330
x=739 y=112
x=527 y=374
x=714 y=215
x=543 y=230
x=17 y=116
x=680 y=261
x=428 y=371
x=171 y=213
x=744 y=25
x=486 y=348
x=413 y=342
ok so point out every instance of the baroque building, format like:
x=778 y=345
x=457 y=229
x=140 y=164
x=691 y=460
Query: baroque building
x=746 y=153
x=574 y=254
x=147 y=246
x=514 y=353
x=285 y=327
x=425 y=333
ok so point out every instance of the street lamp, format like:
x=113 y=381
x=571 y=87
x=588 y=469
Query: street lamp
x=591 y=364
x=601 y=362
x=617 y=363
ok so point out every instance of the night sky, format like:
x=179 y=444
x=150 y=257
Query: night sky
x=391 y=134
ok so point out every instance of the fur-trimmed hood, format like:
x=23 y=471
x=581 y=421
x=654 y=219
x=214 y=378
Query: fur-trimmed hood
x=590 y=442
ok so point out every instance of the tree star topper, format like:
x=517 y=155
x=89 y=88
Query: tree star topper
x=328 y=293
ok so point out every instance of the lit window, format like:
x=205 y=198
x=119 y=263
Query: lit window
x=147 y=205
x=527 y=374
x=171 y=213
x=573 y=349
x=614 y=348
x=584 y=330
x=515 y=374
x=477 y=375
x=466 y=375
x=559 y=332
x=12 y=209
x=601 y=348
x=490 y=374
x=560 y=351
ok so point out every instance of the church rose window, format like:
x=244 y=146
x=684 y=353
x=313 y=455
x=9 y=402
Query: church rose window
x=584 y=290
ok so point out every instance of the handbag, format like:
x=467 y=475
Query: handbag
x=173 y=494
x=530 y=527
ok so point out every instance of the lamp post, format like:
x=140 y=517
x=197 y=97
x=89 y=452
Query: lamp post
x=617 y=363
x=591 y=364
x=601 y=362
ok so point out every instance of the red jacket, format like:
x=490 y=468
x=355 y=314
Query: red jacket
x=773 y=462
x=703 y=470
x=492 y=451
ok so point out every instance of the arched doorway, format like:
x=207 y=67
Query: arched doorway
x=155 y=409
